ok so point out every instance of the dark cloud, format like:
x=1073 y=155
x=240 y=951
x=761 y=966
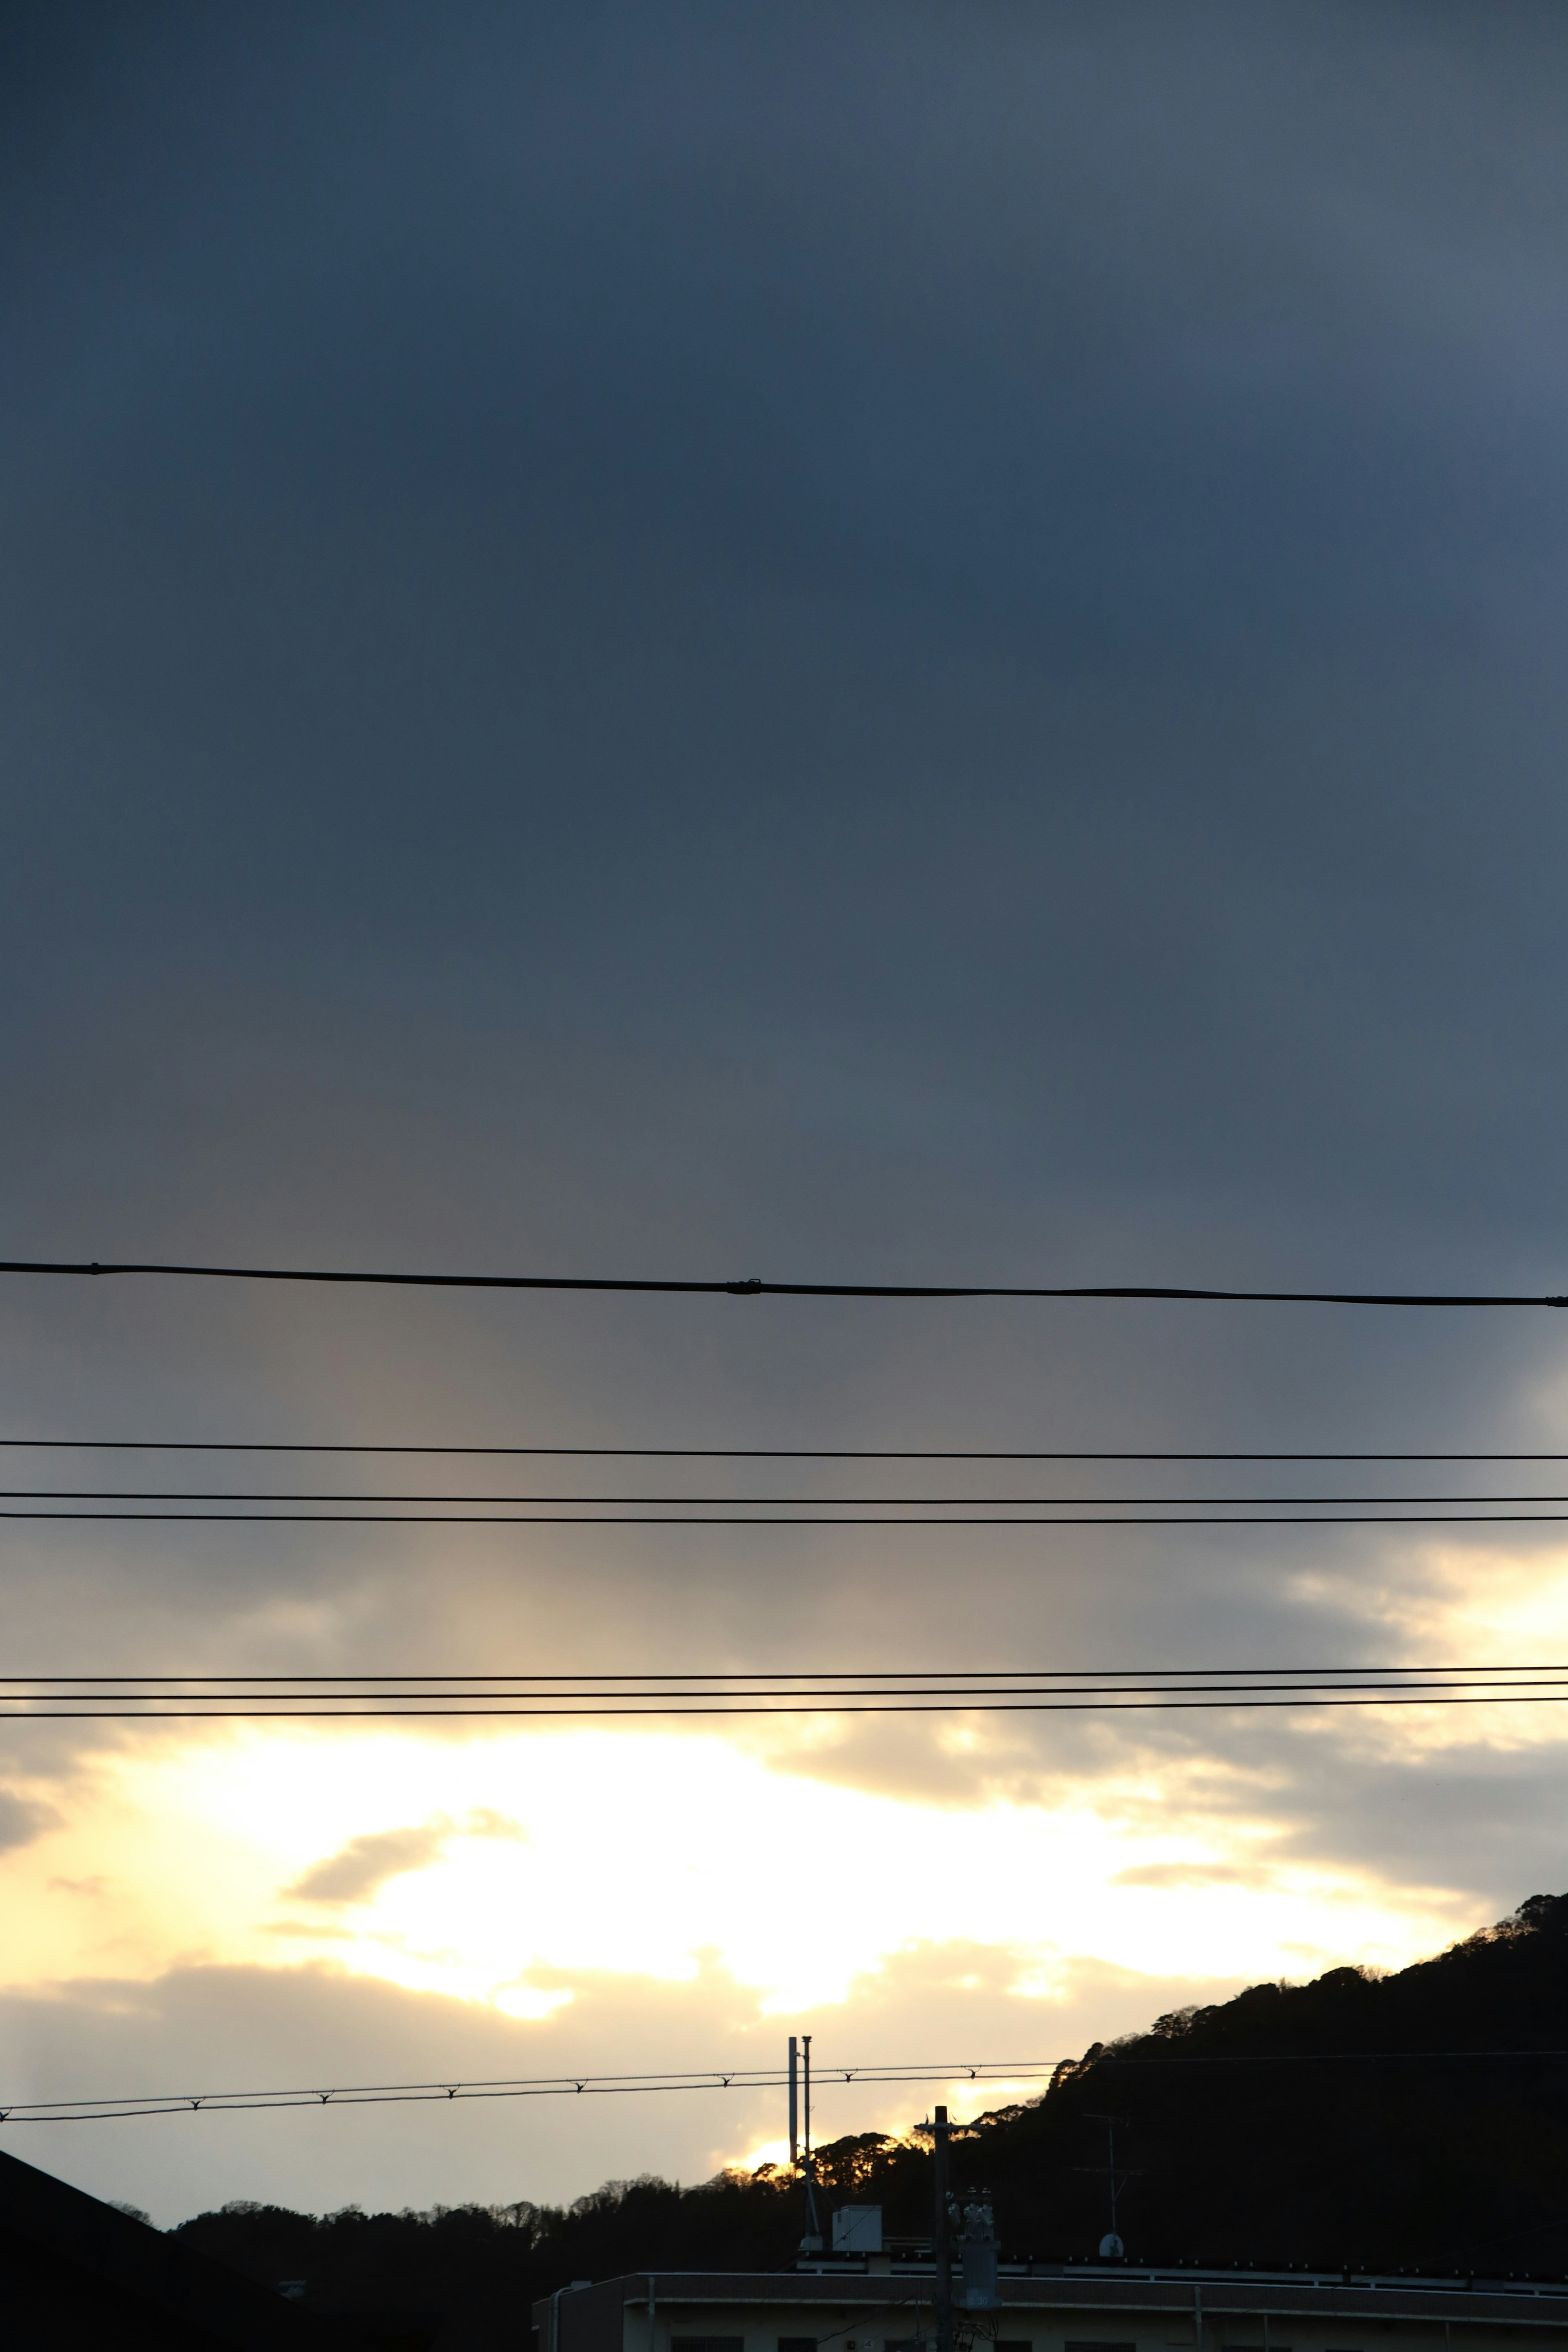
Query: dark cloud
x=1477 y=1816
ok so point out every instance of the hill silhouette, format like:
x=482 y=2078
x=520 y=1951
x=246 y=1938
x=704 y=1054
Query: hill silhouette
x=1344 y=2124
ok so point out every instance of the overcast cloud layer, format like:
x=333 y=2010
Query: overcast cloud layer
x=868 y=644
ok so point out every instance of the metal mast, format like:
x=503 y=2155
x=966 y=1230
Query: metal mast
x=811 y=2243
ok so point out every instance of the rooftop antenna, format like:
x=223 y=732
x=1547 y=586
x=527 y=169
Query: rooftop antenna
x=794 y=2103
x=1112 y=2249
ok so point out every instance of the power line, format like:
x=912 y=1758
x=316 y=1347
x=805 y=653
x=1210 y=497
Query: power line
x=211 y=1698
x=520 y=2087
x=796 y=1518
x=382 y=1713
x=592 y=1714
x=1312 y=2057
x=720 y=1453
x=1006 y=2071
x=751 y=1287
x=831 y=1676
x=790 y=1502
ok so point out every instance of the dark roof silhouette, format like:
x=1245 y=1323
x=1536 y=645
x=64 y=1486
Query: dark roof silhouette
x=82 y=2273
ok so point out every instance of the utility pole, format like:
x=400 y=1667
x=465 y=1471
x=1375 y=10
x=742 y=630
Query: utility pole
x=941 y=2132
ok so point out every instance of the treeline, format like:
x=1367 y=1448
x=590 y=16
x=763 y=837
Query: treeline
x=491 y=2261
x=1319 y=2124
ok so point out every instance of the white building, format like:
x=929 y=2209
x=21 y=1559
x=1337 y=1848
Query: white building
x=880 y=2301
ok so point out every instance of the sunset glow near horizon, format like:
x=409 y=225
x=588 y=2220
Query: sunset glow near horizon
x=540 y=1874
x=201 y=1850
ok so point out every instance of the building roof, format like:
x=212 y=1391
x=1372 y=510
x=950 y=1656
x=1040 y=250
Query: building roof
x=75 y=2265
x=579 y=2322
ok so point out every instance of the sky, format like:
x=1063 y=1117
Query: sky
x=872 y=643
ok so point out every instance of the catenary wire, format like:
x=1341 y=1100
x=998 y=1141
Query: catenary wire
x=751 y=1287
x=107 y=2109
x=537 y=2086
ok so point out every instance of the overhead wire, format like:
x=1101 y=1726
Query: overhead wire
x=197 y=1697
x=829 y=1675
x=751 y=1286
x=798 y=1518
x=506 y=2087
x=402 y=1506
x=845 y=1502
x=725 y=1453
x=107 y=2109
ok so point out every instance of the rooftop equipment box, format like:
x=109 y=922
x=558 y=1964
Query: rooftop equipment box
x=857 y=2230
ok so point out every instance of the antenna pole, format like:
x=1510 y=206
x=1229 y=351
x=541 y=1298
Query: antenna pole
x=1110 y=2246
x=812 y=2242
x=793 y=2103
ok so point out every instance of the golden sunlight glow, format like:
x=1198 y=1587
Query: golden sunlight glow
x=485 y=1867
